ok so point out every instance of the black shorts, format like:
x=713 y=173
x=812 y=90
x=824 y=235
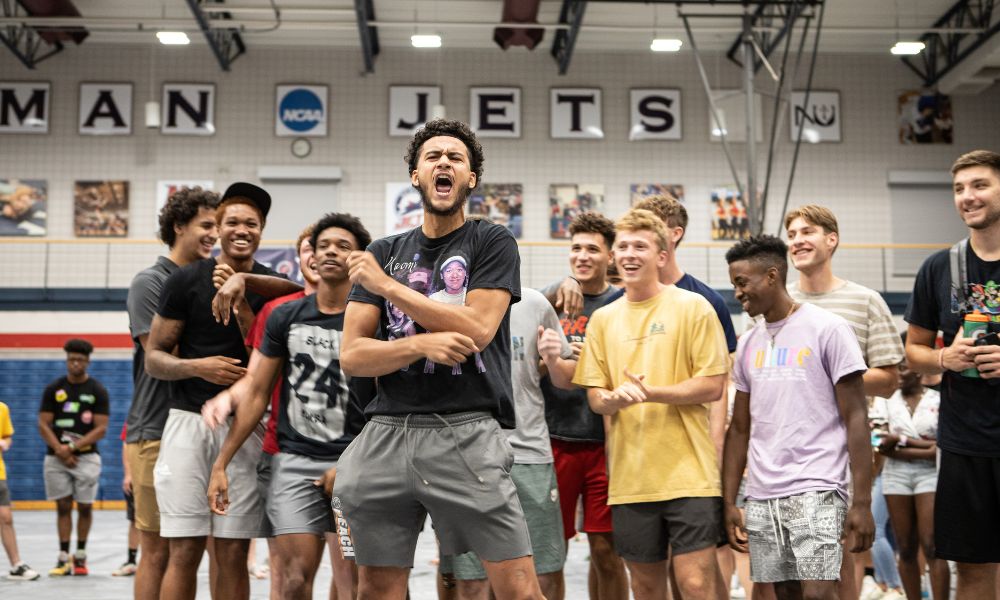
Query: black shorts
x=644 y=532
x=967 y=508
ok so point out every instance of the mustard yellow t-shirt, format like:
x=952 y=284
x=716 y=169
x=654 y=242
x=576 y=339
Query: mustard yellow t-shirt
x=6 y=430
x=656 y=451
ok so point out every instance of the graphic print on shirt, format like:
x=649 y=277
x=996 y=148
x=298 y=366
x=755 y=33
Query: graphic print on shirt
x=445 y=282
x=984 y=298
x=778 y=363
x=318 y=388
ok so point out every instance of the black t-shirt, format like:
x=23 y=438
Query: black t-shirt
x=321 y=409
x=187 y=296
x=73 y=406
x=567 y=412
x=969 y=421
x=487 y=253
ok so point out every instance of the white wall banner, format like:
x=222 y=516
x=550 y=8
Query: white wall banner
x=495 y=111
x=655 y=114
x=105 y=109
x=410 y=107
x=301 y=110
x=403 y=208
x=188 y=109
x=24 y=107
x=166 y=188
x=575 y=113
x=821 y=119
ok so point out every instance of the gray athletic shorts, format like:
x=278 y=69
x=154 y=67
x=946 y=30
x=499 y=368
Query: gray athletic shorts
x=295 y=504
x=539 y=496
x=4 y=493
x=80 y=482
x=796 y=538
x=455 y=467
x=182 y=471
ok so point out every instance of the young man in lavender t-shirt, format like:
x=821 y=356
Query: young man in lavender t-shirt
x=798 y=376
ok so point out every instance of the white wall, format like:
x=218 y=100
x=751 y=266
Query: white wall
x=850 y=176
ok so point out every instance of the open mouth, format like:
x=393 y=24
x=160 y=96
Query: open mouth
x=632 y=269
x=241 y=243
x=443 y=184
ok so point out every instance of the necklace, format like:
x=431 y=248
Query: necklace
x=770 y=343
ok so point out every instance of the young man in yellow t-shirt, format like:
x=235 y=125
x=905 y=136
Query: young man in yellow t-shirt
x=651 y=363
x=18 y=568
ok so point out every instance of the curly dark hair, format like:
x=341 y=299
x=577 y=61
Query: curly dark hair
x=78 y=346
x=455 y=129
x=765 y=249
x=182 y=206
x=344 y=221
x=594 y=222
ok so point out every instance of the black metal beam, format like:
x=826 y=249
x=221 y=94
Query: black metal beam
x=766 y=15
x=365 y=10
x=945 y=51
x=24 y=42
x=226 y=43
x=565 y=39
x=716 y=2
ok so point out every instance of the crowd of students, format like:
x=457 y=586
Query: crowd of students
x=413 y=376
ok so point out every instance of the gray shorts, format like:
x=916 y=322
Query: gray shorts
x=295 y=504
x=644 y=532
x=539 y=495
x=4 y=493
x=455 y=467
x=796 y=538
x=80 y=482
x=909 y=477
x=182 y=471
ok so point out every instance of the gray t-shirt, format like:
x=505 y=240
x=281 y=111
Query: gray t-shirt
x=150 y=396
x=530 y=439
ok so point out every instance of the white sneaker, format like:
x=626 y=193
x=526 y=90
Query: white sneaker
x=23 y=572
x=893 y=595
x=870 y=590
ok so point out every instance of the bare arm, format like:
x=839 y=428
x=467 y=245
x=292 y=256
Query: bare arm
x=45 y=420
x=853 y=407
x=478 y=319
x=923 y=357
x=567 y=297
x=95 y=434
x=915 y=449
x=160 y=363
x=362 y=355
x=734 y=461
x=560 y=370
x=717 y=420
x=881 y=381
x=233 y=287
x=697 y=390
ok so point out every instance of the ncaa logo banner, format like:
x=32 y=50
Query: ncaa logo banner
x=300 y=110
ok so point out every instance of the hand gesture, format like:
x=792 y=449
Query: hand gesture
x=569 y=297
x=220 y=370
x=215 y=411
x=446 y=348
x=577 y=348
x=327 y=480
x=363 y=269
x=859 y=529
x=232 y=291
x=987 y=360
x=549 y=343
x=961 y=354
x=218 y=491
x=735 y=530
x=66 y=455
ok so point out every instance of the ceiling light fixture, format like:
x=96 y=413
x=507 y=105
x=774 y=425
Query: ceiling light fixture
x=907 y=48
x=173 y=38
x=665 y=45
x=425 y=41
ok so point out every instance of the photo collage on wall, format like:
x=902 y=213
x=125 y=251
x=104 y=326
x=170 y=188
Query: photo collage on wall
x=638 y=191
x=925 y=117
x=567 y=200
x=23 y=207
x=100 y=208
x=729 y=214
x=501 y=202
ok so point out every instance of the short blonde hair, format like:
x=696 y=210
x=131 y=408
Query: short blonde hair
x=814 y=214
x=640 y=219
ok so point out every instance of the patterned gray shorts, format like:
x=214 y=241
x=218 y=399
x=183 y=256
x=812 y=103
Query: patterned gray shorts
x=796 y=538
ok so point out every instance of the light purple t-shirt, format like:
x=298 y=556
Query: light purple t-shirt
x=798 y=442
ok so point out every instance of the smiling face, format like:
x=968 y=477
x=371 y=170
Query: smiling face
x=332 y=247
x=589 y=257
x=307 y=262
x=810 y=246
x=239 y=231
x=639 y=257
x=443 y=175
x=754 y=285
x=977 y=196
x=454 y=277
x=197 y=237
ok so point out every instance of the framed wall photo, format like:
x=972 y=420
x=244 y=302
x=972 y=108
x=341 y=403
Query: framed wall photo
x=501 y=202
x=924 y=117
x=403 y=208
x=23 y=207
x=166 y=188
x=638 y=191
x=100 y=208
x=728 y=214
x=820 y=121
x=567 y=200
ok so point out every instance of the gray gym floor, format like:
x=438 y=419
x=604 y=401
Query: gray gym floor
x=106 y=550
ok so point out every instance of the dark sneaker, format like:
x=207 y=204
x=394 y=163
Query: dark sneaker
x=63 y=568
x=80 y=564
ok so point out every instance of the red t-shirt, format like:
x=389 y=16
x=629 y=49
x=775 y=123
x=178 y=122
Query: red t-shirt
x=254 y=337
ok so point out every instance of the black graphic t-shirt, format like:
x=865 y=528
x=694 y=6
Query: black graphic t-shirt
x=73 y=406
x=567 y=412
x=969 y=421
x=477 y=255
x=187 y=296
x=321 y=408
